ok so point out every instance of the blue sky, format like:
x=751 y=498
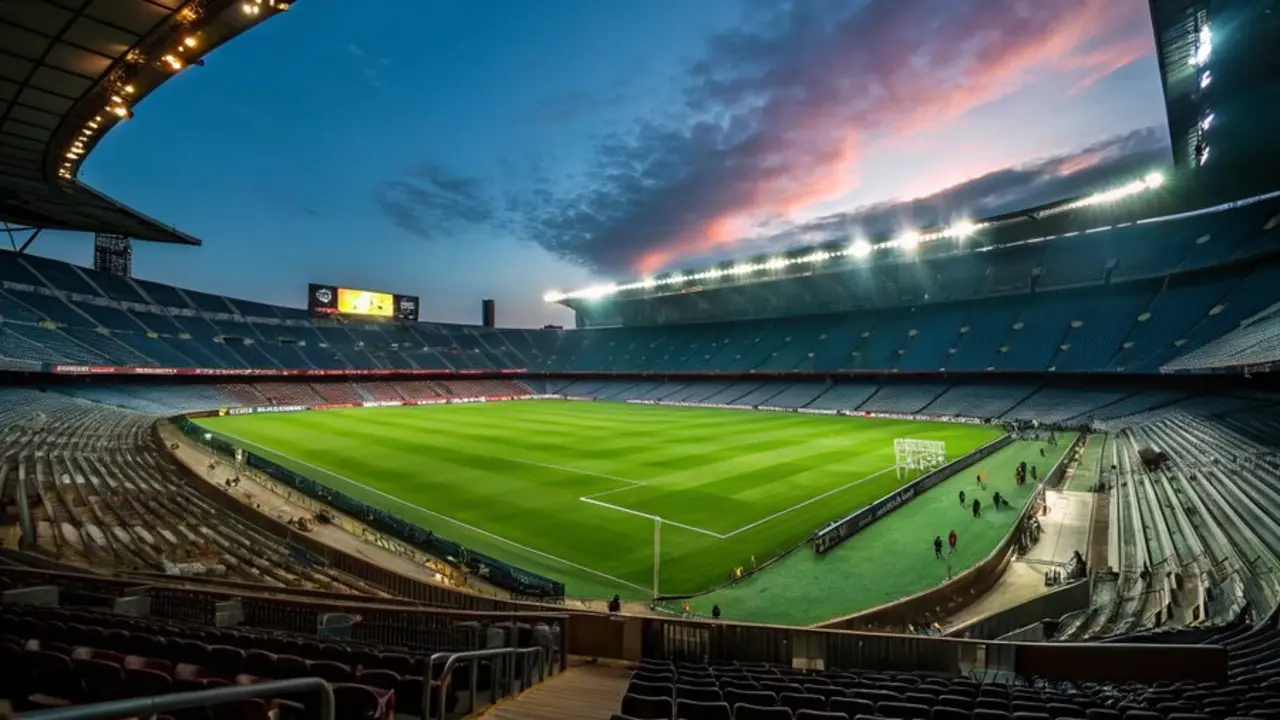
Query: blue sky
x=462 y=149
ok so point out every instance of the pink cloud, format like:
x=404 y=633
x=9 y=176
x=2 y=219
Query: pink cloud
x=820 y=111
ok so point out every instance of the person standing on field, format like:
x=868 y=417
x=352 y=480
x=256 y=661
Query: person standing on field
x=951 y=540
x=937 y=546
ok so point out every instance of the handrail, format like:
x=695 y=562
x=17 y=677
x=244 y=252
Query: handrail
x=151 y=705
x=451 y=660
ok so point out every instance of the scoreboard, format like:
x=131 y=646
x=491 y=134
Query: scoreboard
x=324 y=300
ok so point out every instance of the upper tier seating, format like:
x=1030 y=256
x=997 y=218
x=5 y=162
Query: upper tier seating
x=1137 y=325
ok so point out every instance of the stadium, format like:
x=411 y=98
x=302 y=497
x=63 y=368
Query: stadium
x=1020 y=465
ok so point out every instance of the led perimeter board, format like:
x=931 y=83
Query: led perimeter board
x=325 y=300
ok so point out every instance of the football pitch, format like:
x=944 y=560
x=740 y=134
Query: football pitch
x=570 y=490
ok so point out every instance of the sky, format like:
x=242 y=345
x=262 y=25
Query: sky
x=464 y=149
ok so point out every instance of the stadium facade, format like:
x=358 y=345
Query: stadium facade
x=1150 y=311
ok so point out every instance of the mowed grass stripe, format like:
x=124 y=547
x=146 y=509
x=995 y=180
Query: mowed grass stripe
x=734 y=468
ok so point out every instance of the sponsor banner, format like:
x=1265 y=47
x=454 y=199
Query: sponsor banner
x=378 y=403
x=841 y=530
x=255 y=409
x=334 y=406
x=249 y=372
x=820 y=411
x=925 y=418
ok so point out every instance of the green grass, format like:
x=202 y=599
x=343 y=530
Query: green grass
x=508 y=479
x=893 y=558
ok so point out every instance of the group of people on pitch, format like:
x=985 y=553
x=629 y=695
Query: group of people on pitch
x=1000 y=502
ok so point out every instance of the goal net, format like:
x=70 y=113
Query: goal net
x=915 y=457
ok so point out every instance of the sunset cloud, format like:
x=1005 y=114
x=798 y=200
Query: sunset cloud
x=781 y=115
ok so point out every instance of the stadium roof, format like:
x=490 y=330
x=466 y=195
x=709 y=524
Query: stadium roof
x=70 y=70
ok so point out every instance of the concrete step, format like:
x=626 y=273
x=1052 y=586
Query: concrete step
x=583 y=692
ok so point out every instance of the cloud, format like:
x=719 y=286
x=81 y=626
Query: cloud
x=779 y=116
x=430 y=202
x=1036 y=183
x=370 y=68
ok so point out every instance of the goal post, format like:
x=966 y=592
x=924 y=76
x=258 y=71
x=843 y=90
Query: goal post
x=914 y=457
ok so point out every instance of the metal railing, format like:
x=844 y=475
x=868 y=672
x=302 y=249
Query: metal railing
x=155 y=704
x=502 y=678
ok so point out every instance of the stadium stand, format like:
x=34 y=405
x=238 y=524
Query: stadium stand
x=137 y=577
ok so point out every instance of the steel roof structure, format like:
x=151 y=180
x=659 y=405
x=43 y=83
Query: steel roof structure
x=70 y=70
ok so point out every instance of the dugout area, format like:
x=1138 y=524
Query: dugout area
x=510 y=479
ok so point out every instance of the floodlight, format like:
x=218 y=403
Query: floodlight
x=597 y=292
x=1204 y=156
x=860 y=249
x=648 y=283
x=552 y=296
x=908 y=240
x=743 y=269
x=190 y=41
x=1205 y=79
x=1154 y=180
x=962 y=229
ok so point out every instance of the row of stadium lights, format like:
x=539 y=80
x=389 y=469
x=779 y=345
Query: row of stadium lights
x=118 y=108
x=1202 y=48
x=859 y=250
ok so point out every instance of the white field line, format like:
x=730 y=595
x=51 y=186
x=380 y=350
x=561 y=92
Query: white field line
x=811 y=500
x=664 y=521
x=576 y=471
x=459 y=523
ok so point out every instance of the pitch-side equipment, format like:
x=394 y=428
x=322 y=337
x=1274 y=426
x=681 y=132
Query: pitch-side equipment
x=914 y=457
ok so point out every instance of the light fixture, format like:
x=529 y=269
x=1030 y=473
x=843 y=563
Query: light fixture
x=190 y=41
x=908 y=240
x=1207 y=121
x=173 y=61
x=1205 y=79
x=860 y=249
x=1153 y=180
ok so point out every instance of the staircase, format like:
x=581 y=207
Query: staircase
x=583 y=692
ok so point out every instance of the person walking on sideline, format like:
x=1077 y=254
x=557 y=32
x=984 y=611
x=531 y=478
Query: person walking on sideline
x=937 y=546
x=951 y=540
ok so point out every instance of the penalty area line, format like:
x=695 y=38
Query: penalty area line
x=419 y=508
x=810 y=501
x=664 y=521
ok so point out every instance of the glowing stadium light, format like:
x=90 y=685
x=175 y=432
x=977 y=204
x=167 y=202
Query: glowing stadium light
x=908 y=240
x=860 y=249
x=1153 y=180
x=174 y=63
x=597 y=292
x=127 y=89
x=1205 y=79
x=1207 y=121
x=120 y=111
x=190 y=41
x=743 y=269
x=552 y=296
x=962 y=229
x=1204 y=156
x=250 y=9
x=1204 y=47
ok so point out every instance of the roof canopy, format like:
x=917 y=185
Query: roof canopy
x=72 y=69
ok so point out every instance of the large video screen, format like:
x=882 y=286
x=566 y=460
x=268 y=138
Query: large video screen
x=334 y=300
